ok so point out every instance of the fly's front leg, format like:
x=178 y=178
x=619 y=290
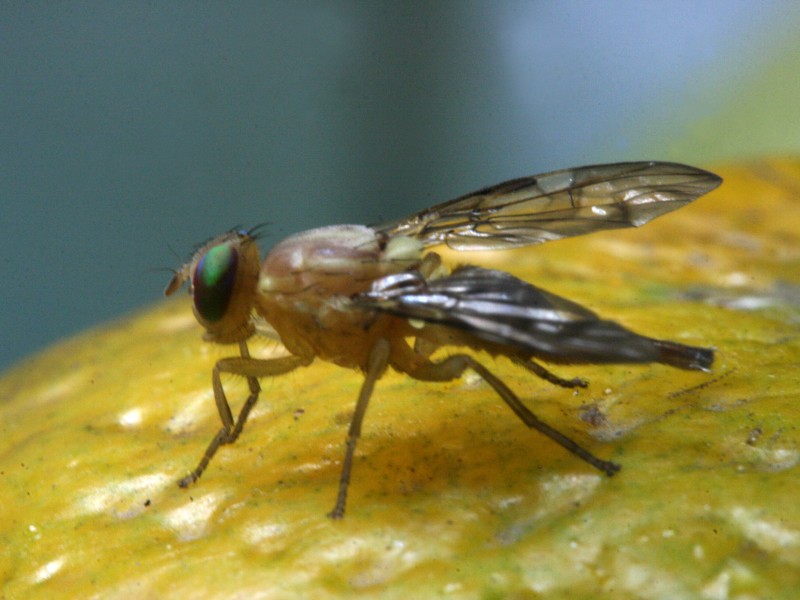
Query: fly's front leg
x=454 y=366
x=376 y=365
x=251 y=369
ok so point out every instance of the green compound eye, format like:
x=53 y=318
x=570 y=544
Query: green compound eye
x=213 y=282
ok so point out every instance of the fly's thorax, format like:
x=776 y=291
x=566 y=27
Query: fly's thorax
x=337 y=260
x=223 y=276
x=307 y=282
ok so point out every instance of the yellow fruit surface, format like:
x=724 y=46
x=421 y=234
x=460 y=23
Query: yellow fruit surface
x=451 y=495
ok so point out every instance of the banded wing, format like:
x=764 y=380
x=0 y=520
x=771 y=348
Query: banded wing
x=565 y=203
x=523 y=320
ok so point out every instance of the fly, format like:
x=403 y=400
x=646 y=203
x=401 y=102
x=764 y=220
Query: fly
x=356 y=295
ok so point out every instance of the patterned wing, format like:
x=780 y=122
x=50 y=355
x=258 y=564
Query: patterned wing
x=496 y=307
x=565 y=203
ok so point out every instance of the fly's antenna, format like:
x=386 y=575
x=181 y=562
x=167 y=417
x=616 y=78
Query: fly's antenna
x=179 y=276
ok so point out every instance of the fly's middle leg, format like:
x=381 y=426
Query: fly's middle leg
x=376 y=365
x=454 y=366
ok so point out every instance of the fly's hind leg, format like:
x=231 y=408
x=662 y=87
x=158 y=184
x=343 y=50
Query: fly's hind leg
x=251 y=369
x=548 y=376
x=454 y=366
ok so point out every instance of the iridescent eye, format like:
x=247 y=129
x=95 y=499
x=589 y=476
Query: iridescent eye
x=213 y=282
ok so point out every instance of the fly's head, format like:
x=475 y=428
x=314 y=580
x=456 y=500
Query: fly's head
x=222 y=276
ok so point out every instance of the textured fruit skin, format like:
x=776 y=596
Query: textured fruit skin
x=451 y=494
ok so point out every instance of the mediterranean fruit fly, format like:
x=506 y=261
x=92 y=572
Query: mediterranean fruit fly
x=357 y=296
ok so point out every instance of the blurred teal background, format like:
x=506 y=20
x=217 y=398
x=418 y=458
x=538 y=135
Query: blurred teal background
x=132 y=131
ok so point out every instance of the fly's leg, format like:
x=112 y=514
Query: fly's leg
x=251 y=369
x=454 y=366
x=548 y=376
x=376 y=365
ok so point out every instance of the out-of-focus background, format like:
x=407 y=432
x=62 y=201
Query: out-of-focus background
x=129 y=132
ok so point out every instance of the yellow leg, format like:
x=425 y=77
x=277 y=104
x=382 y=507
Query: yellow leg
x=376 y=365
x=540 y=371
x=251 y=369
x=454 y=366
